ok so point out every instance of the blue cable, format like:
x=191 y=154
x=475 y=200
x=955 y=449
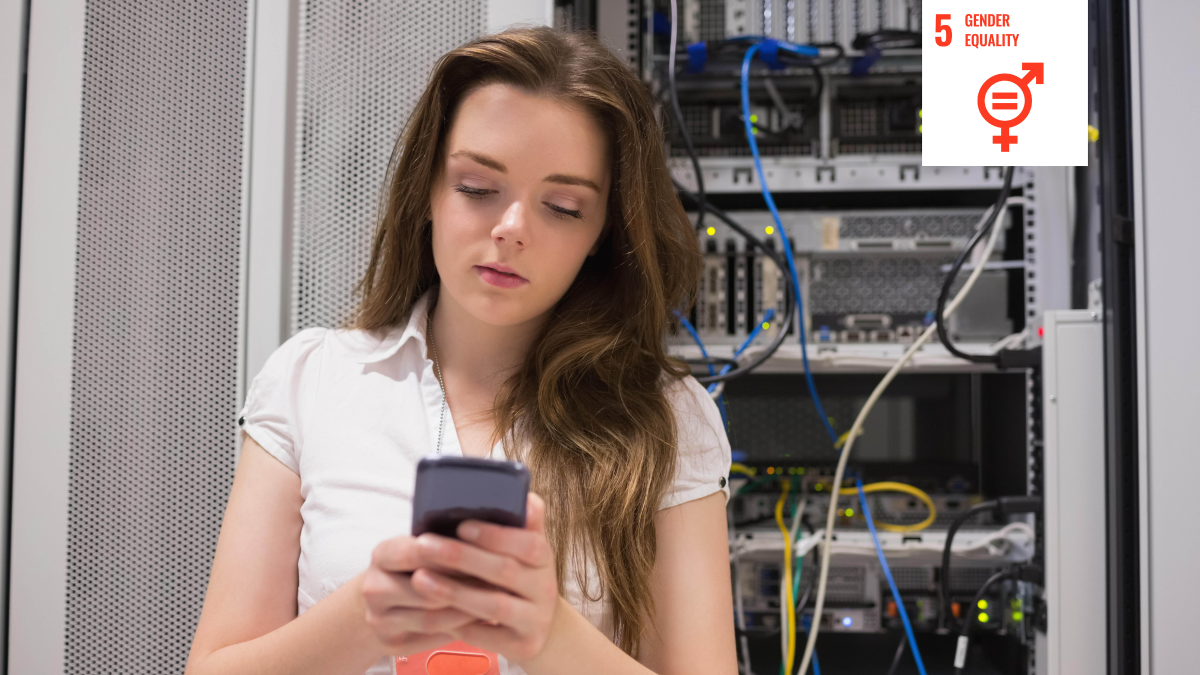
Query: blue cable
x=887 y=572
x=806 y=622
x=787 y=245
x=758 y=328
x=704 y=352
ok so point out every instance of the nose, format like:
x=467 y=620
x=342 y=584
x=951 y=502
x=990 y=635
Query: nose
x=513 y=228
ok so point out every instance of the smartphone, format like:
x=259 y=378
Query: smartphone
x=450 y=490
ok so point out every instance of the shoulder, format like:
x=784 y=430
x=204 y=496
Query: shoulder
x=703 y=457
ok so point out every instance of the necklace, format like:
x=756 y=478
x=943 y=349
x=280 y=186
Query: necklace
x=437 y=369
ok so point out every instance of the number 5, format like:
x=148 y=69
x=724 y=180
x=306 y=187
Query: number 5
x=939 y=27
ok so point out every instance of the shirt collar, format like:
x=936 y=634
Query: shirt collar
x=399 y=334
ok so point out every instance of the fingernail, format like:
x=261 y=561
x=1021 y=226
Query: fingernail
x=468 y=531
x=430 y=544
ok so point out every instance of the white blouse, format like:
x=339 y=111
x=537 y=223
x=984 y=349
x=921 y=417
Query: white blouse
x=352 y=412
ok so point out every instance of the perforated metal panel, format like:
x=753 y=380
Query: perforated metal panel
x=362 y=67
x=156 y=326
x=895 y=285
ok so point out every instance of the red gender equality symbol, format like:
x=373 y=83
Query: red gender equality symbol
x=1003 y=100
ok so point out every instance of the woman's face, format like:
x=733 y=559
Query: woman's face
x=520 y=203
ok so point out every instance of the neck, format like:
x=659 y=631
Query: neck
x=483 y=353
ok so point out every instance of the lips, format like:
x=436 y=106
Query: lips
x=501 y=276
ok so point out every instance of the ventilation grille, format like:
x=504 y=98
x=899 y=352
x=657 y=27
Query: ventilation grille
x=876 y=285
x=362 y=68
x=156 y=324
x=910 y=225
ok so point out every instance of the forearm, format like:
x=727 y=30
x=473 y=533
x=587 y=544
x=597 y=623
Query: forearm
x=332 y=637
x=576 y=646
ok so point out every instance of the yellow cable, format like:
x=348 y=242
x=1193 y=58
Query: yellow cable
x=787 y=577
x=890 y=486
x=738 y=467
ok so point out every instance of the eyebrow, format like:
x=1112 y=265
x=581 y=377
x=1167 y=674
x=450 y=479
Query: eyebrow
x=497 y=165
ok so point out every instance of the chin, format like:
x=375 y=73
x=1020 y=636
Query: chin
x=503 y=308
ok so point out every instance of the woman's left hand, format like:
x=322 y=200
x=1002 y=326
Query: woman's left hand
x=516 y=603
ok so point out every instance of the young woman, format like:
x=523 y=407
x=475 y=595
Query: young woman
x=529 y=254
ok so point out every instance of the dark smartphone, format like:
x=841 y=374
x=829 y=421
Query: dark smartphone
x=453 y=489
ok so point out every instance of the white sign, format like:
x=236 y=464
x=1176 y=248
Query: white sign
x=1004 y=82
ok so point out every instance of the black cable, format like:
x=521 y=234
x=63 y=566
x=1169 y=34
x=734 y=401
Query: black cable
x=964 y=635
x=789 y=301
x=820 y=82
x=701 y=198
x=899 y=653
x=944 y=296
x=1000 y=508
x=944 y=587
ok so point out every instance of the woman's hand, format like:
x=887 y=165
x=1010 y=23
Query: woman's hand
x=515 y=607
x=403 y=621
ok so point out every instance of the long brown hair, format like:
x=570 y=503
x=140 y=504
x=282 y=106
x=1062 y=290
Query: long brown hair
x=588 y=410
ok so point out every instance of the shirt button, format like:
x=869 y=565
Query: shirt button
x=722 y=481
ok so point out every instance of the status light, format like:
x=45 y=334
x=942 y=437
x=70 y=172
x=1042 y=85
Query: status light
x=711 y=231
x=754 y=118
x=983 y=617
x=770 y=469
x=770 y=230
x=1017 y=616
x=849 y=513
x=766 y=326
x=983 y=604
x=847 y=621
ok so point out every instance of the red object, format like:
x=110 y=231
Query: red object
x=956 y=609
x=892 y=611
x=1035 y=72
x=455 y=658
x=1041 y=331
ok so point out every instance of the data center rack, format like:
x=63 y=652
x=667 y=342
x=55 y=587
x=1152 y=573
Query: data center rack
x=873 y=233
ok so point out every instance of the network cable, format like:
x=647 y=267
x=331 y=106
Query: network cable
x=787 y=244
x=890 y=486
x=831 y=516
x=1030 y=573
x=764 y=323
x=982 y=232
x=887 y=573
x=711 y=371
x=754 y=242
x=789 y=609
x=683 y=130
x=1001 y=507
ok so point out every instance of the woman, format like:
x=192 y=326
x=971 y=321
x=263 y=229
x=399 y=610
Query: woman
x=529 y=253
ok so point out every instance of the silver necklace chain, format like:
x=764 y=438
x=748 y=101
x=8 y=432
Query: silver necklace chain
x=437 y=369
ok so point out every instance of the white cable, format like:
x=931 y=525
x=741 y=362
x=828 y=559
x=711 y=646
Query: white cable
x=827 y=548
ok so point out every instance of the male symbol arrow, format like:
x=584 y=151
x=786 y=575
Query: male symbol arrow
x=1035 y=72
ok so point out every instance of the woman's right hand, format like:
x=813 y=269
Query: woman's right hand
x=403 y=621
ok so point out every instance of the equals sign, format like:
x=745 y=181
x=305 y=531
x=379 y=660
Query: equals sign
x=1001 y=95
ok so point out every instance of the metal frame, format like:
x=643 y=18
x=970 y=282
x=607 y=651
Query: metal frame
x=14 y=28
x=1163 y=209
x=45 y=319
x=1073 y=405
x=1120 y=340
x=270 y=119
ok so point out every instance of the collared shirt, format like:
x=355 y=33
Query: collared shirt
x=352 y=412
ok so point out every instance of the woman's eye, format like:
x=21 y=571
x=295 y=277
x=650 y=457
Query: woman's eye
x=473 y=192
x=560 y=212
